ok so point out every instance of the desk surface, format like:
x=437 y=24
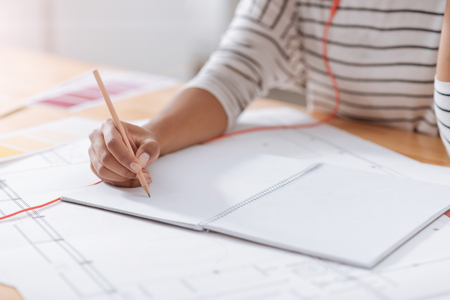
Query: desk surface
x=24 y=73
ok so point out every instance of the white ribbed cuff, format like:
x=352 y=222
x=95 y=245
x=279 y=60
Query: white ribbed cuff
x=441 y=86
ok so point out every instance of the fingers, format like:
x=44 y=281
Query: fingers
x=109 y=169
x=104 y=162
x=132 y=182
x=128 y=183
x=148 y=152
x=110 y=177
x=116 y=146
x=112 y=161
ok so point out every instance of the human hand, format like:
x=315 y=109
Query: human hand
x=111 y=160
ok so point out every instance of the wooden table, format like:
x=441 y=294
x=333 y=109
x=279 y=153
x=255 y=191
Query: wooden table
x=24 y=73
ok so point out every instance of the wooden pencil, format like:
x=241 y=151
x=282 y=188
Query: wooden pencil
x=118 y=125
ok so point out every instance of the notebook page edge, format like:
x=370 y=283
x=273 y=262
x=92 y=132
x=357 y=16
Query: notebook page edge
x=287 y=247
x=121 y=211
x=421 y=227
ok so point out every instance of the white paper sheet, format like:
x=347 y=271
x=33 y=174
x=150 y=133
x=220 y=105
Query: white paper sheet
x=85 y=253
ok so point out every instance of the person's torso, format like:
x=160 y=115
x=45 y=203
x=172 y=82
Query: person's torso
x=382 y=53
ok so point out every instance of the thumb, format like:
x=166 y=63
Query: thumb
x=147 y=152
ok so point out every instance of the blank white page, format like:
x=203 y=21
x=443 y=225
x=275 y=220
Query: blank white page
x=337 y=213
x=192 y=185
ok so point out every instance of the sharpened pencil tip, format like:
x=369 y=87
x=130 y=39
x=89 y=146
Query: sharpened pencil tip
x=149 y=195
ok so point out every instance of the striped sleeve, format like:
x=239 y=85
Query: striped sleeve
x=260 y=50
x=442 y=109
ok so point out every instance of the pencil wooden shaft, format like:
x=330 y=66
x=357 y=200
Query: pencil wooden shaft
x=118 y=124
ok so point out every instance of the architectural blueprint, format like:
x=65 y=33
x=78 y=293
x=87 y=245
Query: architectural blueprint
x=66 y=251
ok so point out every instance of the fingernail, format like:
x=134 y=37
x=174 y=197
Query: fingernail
x=143 y=158
x=135 y=167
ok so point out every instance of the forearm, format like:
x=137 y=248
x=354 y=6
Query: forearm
x=193 y=116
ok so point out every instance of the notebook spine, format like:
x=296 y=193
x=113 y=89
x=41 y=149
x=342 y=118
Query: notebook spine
x=262 y=194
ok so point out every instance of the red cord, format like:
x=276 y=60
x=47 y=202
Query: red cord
x=96 y=183
x=38 y=206
x=333 y=113
x=30 y=208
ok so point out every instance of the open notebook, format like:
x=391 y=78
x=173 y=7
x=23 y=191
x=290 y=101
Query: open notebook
x=336 y=213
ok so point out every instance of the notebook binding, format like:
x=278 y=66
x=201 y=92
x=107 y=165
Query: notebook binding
x=263 y=193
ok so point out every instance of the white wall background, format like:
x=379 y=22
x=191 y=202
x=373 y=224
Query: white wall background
x=171 y=37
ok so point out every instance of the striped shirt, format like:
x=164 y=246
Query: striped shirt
x=382 y=53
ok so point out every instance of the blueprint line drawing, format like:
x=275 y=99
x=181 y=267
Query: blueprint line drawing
x=48 y=237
